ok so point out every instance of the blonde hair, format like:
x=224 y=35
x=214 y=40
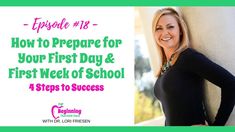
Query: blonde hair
x=184 y=38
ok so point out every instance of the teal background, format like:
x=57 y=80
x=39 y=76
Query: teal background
x=119 y=129
x=118 y=3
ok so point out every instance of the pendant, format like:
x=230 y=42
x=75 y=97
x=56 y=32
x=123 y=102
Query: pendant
x=167 y=65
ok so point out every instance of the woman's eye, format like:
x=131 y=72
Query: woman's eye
x=170 y=27
x=157 y=29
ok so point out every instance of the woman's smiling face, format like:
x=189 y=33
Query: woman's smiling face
x=167 y=32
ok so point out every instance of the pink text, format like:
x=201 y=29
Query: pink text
x=40 y=24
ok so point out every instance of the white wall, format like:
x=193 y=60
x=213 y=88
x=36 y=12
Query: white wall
x=212 y=31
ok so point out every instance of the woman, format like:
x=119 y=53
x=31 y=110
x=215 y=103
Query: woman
x=182 y=72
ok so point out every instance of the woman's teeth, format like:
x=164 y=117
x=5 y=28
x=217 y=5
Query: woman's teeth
x=166 y=39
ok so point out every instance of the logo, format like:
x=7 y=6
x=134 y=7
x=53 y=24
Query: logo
x=67 y=115
x=59 y=110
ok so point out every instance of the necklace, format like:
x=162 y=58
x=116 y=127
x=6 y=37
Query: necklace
x=167 y=65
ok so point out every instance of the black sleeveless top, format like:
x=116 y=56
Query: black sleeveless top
x=180 y=90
